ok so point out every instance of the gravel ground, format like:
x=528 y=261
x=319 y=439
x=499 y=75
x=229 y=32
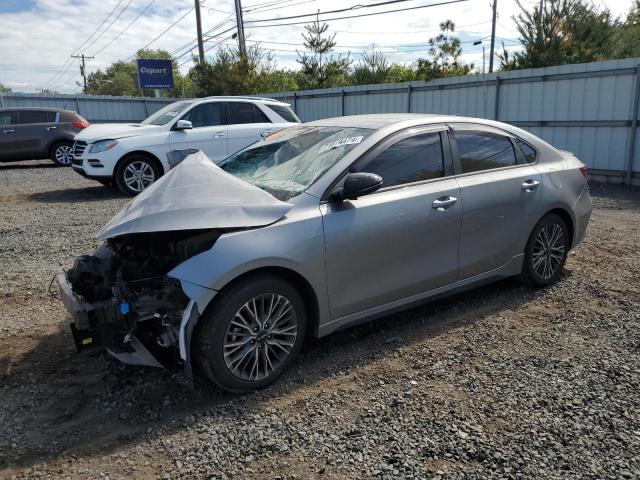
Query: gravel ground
x=502 y=382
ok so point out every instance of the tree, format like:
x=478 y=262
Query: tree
x=4 y=88
x=372 y=68
x=120 y=78
x=564 y=31
x=628 y=39
x=316 y=71
x=445 y=52
x=228 y=73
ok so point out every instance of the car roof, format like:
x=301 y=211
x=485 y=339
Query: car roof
x=374 y=120
x=390 y=122
x=243 y=98
x=39 y=109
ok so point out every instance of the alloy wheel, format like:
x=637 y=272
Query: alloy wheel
x=64 y=154
x=260 y=337
x=138 y=175
x=548 y=250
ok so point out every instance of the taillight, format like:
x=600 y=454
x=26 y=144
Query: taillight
x=583 y=170
x=80 y=124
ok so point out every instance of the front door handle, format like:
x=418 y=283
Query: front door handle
x=530 y=185
x=8 y=131
x=442 y=203
x=51 y=128
x=218 y=134
x=266 y=133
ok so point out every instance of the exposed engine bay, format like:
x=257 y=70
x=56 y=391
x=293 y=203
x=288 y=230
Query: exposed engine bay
x=123 y=299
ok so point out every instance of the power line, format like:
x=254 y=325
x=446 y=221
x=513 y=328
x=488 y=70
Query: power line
x=127 y=27
x=162 y=33
x=357 y=16
x=60 y=72
x=193 y=46
x=276 y=5
x=354 y=7
x=110 y=25
x=405 y=32
x=192 y=43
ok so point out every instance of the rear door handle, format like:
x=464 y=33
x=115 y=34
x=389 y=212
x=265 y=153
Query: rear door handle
x=266 y=133
x=530 y=185
x=442 y=203
x=51 y=128
x=8 y=131
x=218 y=134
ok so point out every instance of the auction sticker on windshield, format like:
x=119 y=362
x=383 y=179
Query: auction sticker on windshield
x=340 y=143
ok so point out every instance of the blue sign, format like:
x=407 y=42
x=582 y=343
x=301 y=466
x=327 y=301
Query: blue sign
x=155 y=73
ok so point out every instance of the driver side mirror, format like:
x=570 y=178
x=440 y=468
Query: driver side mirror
x=184 y=125
x=357 y=185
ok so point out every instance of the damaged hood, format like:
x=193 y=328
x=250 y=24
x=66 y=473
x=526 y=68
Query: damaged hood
x=197 y=194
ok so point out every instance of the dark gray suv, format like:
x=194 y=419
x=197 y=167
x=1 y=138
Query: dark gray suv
x=35 y=133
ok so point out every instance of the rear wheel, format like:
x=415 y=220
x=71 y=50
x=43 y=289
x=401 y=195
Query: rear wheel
x=546 y=251
x=135 y=173
x=251 y=335
x=62 y=153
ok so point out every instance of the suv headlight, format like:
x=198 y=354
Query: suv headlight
x=103 y=146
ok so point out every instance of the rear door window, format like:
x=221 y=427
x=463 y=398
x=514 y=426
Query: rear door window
x=480 y=150
x=259 y=116
x=32 y=116
x=6 y=118
x=205 y=115
x=244 y=112
x=412 y=159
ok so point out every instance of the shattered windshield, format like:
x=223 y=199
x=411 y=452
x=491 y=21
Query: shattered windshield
x=289 y=161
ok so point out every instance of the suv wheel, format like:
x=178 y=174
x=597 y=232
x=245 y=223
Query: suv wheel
x=546 y=251
x=251 y=335
x=134 y=174
x=62 y=153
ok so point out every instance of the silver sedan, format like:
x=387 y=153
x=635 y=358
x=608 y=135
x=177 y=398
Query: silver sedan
x=316 y=228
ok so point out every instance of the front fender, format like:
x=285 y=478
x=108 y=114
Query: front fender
x=295 y=243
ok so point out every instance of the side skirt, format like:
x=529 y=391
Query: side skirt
x=511 y=268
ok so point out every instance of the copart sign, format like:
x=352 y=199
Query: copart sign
x=155 y=73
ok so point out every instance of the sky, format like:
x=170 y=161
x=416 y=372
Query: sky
x=37 y=37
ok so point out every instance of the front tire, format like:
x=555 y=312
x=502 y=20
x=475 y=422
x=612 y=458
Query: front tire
x=251 y=334
x=546 y=251
x=62 y=154
x=135 y=173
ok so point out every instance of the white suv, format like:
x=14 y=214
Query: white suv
x=133 y=156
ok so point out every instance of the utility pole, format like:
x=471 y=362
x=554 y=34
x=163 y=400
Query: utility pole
x=493 y=35
x=199 y=30
x=241 y=40
x=83 y=70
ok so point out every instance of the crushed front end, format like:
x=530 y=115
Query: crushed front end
x=121 y=298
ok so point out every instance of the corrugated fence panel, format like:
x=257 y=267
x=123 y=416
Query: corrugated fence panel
x=95 y=108
x=585 y=108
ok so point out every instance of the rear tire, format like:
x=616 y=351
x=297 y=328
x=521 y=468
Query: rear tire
x=62 y=153
x=251 y=334
x=135 y=173
x=546 y=251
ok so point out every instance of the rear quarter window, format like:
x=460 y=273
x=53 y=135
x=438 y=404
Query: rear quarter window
x=285 y=112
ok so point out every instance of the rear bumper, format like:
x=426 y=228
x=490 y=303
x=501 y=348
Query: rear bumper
x=582 y=211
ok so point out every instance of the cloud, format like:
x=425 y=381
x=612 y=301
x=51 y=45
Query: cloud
x=38 y=36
